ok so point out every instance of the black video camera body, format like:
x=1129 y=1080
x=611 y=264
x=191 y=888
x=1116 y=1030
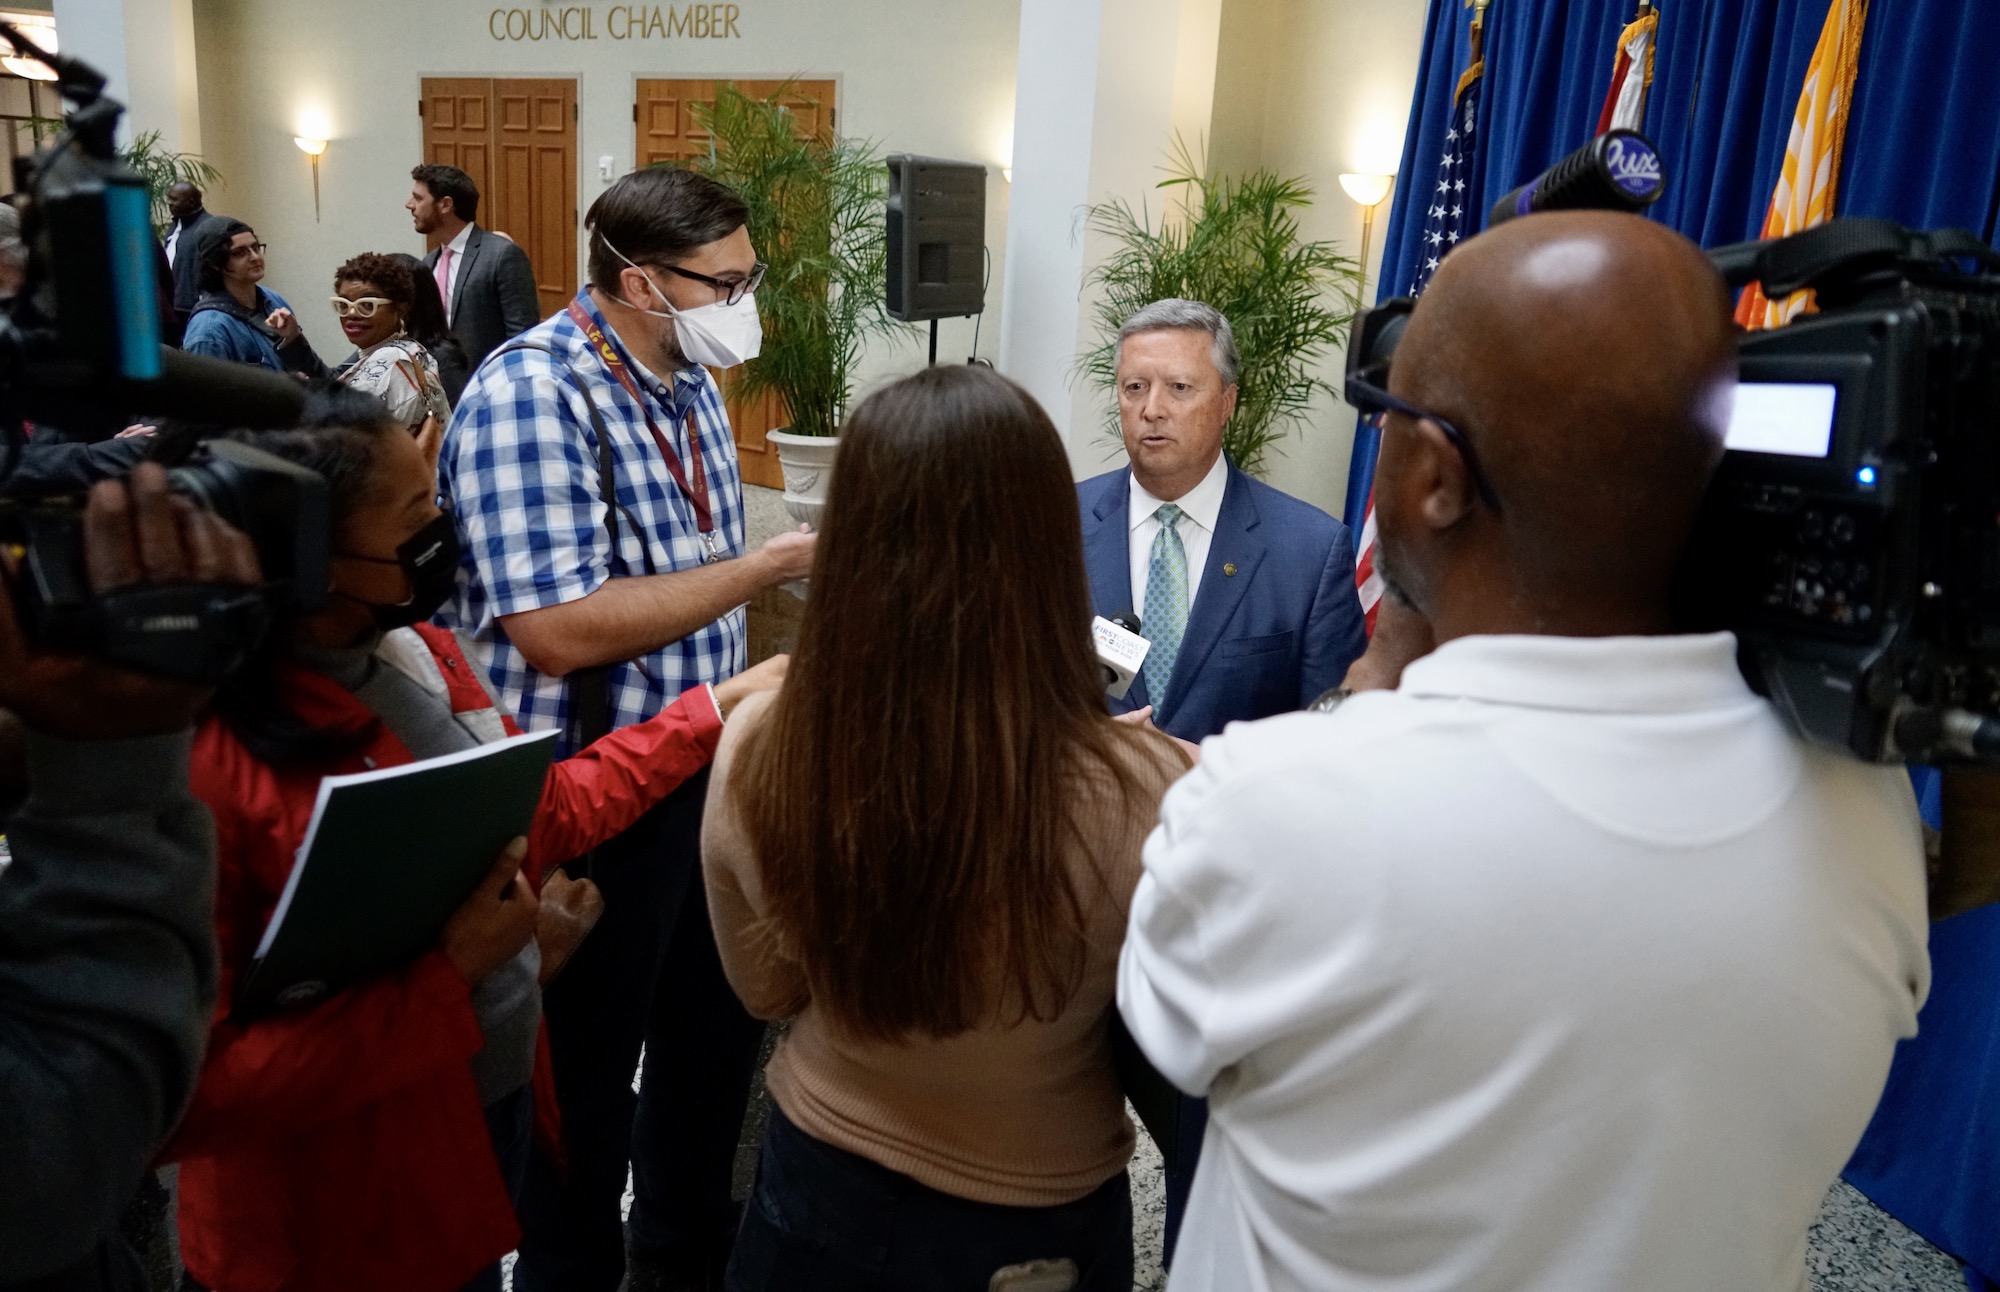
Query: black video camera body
x=1851 y=537
x=80 y=350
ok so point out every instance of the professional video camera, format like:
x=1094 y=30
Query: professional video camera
x=1851 y=538
x=80 y=350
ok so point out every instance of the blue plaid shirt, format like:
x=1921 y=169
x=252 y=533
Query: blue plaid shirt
x=519 y=465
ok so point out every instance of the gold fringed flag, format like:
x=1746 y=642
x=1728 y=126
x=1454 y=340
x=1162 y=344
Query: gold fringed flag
x=1631 y=73
x=1804 y=196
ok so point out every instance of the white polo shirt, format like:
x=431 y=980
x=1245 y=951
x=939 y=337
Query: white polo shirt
x=1564 y=967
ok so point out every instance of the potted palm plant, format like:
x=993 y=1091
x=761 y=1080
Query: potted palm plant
x=817 y=217
x=1234 y=243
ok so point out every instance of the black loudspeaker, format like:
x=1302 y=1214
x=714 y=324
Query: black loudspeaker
x=937 y=237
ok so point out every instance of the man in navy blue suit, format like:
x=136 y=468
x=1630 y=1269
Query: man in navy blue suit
x=1246 y=594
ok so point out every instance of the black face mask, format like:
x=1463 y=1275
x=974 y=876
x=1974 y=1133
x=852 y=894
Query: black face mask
x=430 y=562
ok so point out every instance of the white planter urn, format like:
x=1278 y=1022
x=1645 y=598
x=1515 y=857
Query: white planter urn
x=808 y=465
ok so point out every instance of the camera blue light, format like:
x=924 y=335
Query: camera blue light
x=1865 y=475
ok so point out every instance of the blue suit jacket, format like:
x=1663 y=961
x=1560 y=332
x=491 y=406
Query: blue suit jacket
x=1266 y=639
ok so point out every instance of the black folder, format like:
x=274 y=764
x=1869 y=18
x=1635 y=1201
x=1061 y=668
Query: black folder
x=387 y=858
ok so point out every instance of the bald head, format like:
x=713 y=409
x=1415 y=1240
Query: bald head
x=1587 y=358
x=183 y=200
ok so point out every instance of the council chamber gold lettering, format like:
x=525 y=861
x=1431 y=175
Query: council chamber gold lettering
x=620 y=22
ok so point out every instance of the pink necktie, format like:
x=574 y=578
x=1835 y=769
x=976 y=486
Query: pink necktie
x=444 y=280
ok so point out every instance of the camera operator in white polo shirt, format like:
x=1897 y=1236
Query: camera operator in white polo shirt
x=1564 y=965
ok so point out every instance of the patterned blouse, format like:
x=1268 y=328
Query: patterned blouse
x=403 y=375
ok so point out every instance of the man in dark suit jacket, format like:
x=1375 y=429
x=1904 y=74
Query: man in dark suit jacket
x=1255 y=612
x=1246 y=594
x=184 y=203
x=485 y=280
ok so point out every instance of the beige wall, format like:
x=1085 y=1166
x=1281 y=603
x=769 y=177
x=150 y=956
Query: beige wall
x=924 y=76
x=1315 y=88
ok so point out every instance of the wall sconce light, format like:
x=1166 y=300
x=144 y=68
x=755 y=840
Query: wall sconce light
x=312 y=148
x=1369 y=192
x=40 y=33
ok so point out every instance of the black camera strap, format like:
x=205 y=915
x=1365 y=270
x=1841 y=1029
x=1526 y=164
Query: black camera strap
x=589 y=688
x=1850 y=245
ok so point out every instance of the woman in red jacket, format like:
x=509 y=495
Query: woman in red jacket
x=368 y=1141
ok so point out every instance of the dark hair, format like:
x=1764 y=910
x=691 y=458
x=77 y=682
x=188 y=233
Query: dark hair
x=913 y=798
x=389 y=275
x=658 y=215
x=340 y=436
x=212 y=246
x=449 y=181
x=426 y=321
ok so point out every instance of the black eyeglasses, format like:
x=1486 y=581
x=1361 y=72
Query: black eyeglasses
x=251 y=249
x=1373 y=400
x=733 y=289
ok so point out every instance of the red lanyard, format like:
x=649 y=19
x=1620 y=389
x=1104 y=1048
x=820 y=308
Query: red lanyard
x=697 y=491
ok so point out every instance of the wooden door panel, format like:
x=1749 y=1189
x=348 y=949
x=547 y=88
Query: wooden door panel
x=666 y=131
x=535 y=137
x=458 y=127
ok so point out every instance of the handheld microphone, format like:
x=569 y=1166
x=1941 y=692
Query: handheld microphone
x=1120 y=651
x=1617 y=171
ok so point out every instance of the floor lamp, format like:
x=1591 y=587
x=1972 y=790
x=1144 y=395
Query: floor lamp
x=1369 y=191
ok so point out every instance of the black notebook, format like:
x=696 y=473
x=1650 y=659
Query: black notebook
x=387 y=858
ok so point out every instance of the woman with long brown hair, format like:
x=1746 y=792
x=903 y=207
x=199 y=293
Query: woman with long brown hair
x=922 y=853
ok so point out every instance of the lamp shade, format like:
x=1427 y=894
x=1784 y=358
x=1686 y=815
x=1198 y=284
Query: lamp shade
x=310 y=147
x=1368 y=190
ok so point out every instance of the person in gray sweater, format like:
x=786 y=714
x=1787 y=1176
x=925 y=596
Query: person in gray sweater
x=107 y=954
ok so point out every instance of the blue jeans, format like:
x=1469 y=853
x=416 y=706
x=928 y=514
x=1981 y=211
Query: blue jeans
x=826 y=1219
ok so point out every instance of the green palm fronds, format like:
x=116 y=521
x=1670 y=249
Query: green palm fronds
x=1234 y=244
x=817 y=218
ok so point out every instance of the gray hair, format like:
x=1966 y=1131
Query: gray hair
x=1192 y=316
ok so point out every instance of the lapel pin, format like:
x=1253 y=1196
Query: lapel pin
x=1229 y=569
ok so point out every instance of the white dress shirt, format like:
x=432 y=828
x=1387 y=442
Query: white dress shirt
x=1564 y=966
x=1201 y=505
x=457 y=246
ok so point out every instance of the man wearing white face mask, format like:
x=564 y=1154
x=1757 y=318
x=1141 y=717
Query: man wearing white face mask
x=594 y=478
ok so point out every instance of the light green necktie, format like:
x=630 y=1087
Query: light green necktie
x=1166 y=602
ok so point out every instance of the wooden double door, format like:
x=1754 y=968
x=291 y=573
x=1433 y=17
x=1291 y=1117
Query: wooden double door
x=517 y=139
x=665 y=130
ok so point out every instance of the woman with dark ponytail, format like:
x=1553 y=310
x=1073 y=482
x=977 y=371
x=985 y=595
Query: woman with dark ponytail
x=374 y=1139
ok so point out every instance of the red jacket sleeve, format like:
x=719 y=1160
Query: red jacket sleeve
x=611 y=783
x=280 y=1073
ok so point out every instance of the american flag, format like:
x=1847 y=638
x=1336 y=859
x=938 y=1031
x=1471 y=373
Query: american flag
x=1450 y=216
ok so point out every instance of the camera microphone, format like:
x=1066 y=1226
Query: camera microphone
x=1617 y=171
x=197 y=388
x=1120 y=651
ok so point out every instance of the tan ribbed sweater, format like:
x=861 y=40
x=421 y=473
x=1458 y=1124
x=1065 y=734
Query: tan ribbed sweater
x=1026 y=1116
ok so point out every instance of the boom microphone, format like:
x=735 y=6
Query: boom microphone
x=190 y=387
x=197 y=388
x=1617 y=171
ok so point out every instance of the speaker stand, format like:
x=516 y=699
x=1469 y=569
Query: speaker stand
x=934 y=331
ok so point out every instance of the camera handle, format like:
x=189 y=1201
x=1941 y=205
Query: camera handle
x=1852 y=244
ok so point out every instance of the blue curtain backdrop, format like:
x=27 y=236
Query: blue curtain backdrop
x=1923 y=147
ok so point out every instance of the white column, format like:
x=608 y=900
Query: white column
x=1102 y=87
x=145 y=48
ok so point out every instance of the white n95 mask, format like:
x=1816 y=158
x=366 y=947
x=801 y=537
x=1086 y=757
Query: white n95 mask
x=719 y=335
